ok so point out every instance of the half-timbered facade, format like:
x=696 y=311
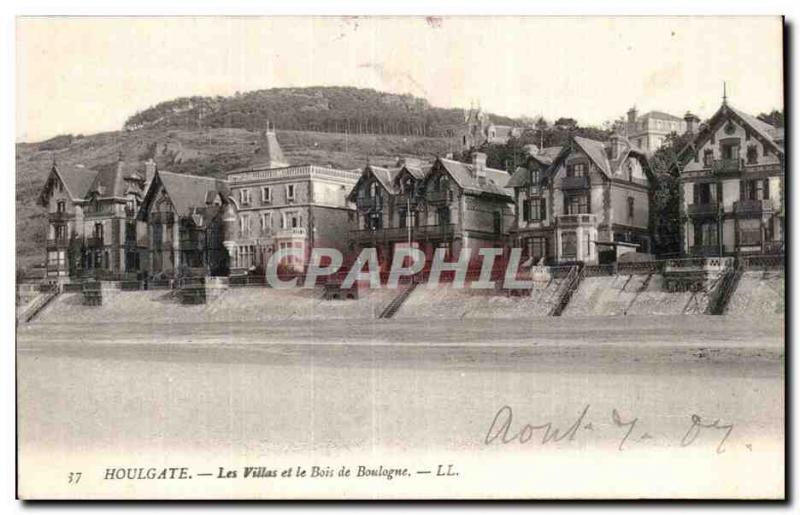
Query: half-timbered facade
x=732 y=187
x=92 y=229
x=583 y=202
x=447 y=204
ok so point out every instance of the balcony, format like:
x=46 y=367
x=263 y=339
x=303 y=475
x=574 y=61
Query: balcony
x=752 y=207
x=94 y=242
x=732 y=165
x=59 y=242
x=750 y=238
x=368 y=203
x=576 y=220
x=421 y=233
x=159 y=217
x=292 y=233
x=708 y=209
x=61 y=216
x=574 y=183
x=438 y=197
x=704 y=250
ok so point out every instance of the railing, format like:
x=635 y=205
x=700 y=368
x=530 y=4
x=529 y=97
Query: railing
x=581 y=219
x=571 y=283
x=704 y=250
x=711 y=208
x=294 y=232
x=726 y=165
x=574 y=183
x=752 y=206
x=698 y=263
x=94 y=242
x=368 y=203
x=775 y=262
x=599 y=270
x=640 y=267
x=750 y=237
x=438 y=197
x=59 y=242
x=422 y=232
x=774 y=247
x=61 y=216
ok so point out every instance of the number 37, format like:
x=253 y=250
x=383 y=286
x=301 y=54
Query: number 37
x=73 y=477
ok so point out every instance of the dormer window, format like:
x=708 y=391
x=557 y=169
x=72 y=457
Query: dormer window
x=708 y=157
x=61 y=207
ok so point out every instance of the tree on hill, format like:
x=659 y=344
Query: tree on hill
x=774 y=118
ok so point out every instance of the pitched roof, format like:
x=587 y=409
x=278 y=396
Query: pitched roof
x=596 y=150
x=661 y=115
x=109 y=181
x=520 y=178
x=496 y=180
x=269 y=153
x=190 y=191
x=764 y=129
x=77 y=180
x=385 y=176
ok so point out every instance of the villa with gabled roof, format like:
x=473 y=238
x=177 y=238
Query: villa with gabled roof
x=92 y=229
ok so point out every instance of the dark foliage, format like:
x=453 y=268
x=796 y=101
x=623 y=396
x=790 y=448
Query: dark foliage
x=319 y=109
x=665 y=208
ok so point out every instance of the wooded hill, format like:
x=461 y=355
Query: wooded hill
x=318 y=109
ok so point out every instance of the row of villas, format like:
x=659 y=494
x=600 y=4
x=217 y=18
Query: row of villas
x=587 y=201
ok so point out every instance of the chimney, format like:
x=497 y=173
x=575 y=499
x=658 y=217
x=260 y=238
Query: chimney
x=479 y=165
x=692 y=122
x=632 y=113
x=149 y=170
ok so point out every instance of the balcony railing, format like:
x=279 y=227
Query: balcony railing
x=575 y=220
x=423 y=232
x=94 y=242
x=704 y=250
x=709 y=209
x=58 y=242
x=61 y=216
x=368 y=203
x=752 y=206
x=726 y=165
x=294 y=232
x=750 y=237
x=438 y=197
x=574 y=183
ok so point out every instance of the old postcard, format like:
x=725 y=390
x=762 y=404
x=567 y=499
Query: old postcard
x=400 y=257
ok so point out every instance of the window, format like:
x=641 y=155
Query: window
x=130 y=231
x=708 y=157
x=244 y=225
x=290 y=192
x=704 y=193
x=266 y=194
x=498 y=222
x=588 y=246
x=537 y=209
x=244 y=196
x=576 y=170
x=443 y=215
x=266 y=222
x=61 y=207
x=752 y=154
x=538 y=248
x=730 y=151
x=705 y=234
x=526 y=211
x=403 y=218
x=576 y=204
x=631 y=201
x=569 y=244
x=98 y=230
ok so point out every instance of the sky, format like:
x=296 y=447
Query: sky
x=88 y=75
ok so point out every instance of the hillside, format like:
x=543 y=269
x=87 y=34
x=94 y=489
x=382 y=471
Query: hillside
x=320 y=109
x=209 y=151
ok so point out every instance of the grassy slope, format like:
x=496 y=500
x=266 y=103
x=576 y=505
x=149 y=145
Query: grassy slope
x=210 y=151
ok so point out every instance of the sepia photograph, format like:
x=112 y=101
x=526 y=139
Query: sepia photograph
x=400 y=257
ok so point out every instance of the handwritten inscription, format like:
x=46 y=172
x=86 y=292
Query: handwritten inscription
x=503 y=429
